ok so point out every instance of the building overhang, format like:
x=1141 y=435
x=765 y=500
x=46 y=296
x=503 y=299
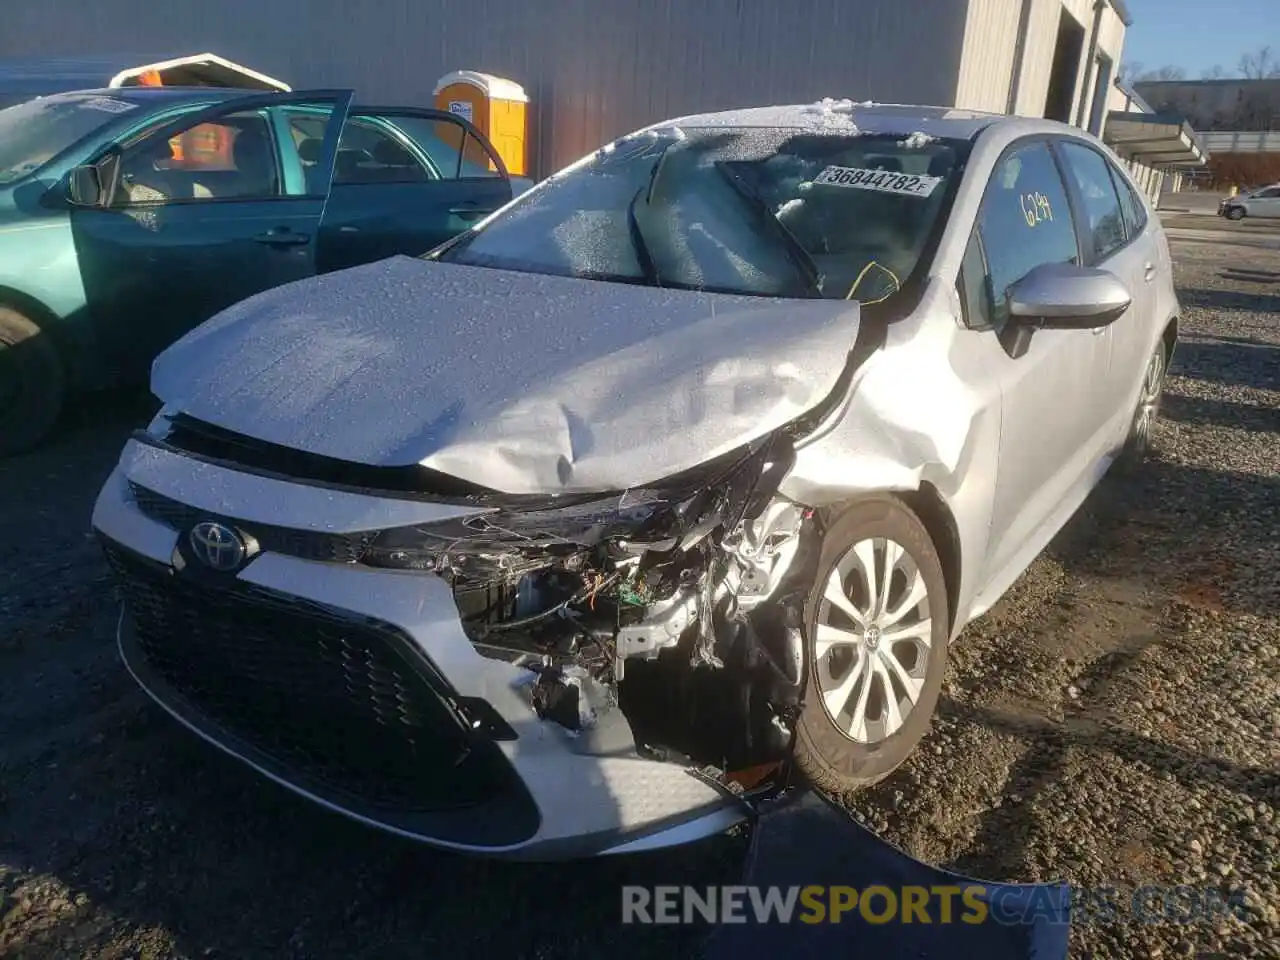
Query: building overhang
x=21 y=78
x=1155 y=139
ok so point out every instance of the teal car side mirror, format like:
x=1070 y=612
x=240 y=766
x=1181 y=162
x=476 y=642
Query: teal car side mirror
x=84 y=186
x=92 y=184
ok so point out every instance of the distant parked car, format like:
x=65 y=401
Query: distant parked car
x=129 y=215
x=1263 y=203
x=569 y=537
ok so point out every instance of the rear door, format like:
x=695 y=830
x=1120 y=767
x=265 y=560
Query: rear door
x=1267 y=203
x=404 y=181
x=205 y=212
x=1130 y=255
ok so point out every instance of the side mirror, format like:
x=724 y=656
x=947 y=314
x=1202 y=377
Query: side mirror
x=1062 y=296
x=84 y=186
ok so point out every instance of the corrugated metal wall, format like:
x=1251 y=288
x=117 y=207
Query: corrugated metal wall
x=594 y=68
x=990 y=46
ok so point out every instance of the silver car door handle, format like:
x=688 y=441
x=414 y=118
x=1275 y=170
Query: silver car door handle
x=1149 y=272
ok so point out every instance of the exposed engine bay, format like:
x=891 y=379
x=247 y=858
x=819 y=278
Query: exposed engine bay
x=680 y=606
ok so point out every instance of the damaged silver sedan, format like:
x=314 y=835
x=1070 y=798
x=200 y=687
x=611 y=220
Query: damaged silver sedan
x=662 y=490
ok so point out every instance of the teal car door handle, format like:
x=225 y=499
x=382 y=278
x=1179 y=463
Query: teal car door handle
x=469 y=212
x=283 y=237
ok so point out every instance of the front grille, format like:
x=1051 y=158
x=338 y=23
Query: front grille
x=306 y=544
x=345 y=702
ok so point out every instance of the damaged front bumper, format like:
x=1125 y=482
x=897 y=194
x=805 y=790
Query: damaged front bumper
x=372 y=688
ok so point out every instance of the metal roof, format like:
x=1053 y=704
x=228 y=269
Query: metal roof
x=1155 y=139
x=31 y=77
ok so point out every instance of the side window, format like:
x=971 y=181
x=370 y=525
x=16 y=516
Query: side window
x=233 y=158
x=453 y=152
x=1131 y=207
x=1024 y=222
x=368 y=153
x=1104 y=221
x=1273 y=193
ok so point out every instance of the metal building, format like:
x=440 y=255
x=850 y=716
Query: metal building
x=595 y=69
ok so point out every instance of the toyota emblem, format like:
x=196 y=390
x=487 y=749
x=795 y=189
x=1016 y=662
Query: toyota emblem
x=217 y=546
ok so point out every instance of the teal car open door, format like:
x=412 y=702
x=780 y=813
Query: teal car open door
x=195 y=213
x=405 y=180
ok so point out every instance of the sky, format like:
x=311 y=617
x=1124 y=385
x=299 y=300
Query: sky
x=1196 y=35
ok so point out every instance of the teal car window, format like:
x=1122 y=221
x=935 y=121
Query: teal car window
x=369 y=154
x=38 y=131
x=453 y=152
x=232 y=158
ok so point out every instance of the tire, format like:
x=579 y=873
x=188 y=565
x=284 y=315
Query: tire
x=834 y=758
x=1138 y=445
x=1235 y=213
x=31 y=383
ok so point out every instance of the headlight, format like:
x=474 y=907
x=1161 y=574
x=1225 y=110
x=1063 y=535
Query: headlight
x=525 y=533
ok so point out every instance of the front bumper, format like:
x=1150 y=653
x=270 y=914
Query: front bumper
x=310 y=671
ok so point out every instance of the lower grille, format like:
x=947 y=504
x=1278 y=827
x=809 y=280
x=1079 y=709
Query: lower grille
x=345 y=702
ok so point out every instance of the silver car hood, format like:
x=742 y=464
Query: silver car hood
x=518 y=382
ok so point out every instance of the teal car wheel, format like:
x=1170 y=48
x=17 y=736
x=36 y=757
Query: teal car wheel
x=31 y=383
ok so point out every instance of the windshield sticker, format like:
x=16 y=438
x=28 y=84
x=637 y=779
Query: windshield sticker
x=109 y=105
x=883 y=181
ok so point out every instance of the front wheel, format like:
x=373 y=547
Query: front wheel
x=31 y=383
x=1235 y=213
x=876 y=632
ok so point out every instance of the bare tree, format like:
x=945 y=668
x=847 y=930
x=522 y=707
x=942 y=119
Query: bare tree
x=1136 y=72
x=1129 y=70
x=1259 y=65
x=1214 y=73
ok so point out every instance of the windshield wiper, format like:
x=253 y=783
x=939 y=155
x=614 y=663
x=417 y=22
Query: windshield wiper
x=794 y=249
x=638 y=243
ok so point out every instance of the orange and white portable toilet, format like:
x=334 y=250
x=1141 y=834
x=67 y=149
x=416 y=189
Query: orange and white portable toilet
x=496 y=106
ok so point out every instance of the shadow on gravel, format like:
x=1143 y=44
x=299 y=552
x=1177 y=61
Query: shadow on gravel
x=1246 y=275
x=1206 y=537
x=1204 y=540
x=1004 y=832
x=183 y=840
x=1220 y=413
x=1211 y=299
x=1232 y=362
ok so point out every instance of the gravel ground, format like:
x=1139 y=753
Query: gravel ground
x=1115 y=721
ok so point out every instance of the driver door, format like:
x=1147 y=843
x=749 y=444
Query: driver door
x=197 y=214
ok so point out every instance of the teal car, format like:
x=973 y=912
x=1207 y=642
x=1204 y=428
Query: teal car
x=130 y=215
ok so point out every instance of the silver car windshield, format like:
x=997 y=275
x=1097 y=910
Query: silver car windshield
x=763 y=212
x=38 y=131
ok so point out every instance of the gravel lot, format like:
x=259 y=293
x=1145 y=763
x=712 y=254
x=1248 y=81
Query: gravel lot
x=1115 y=721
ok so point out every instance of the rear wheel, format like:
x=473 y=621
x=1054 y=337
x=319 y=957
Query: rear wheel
x=31 y=383
x=877 y=627
x=1139 y=443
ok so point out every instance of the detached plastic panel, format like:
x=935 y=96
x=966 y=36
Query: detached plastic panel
x=808 y=841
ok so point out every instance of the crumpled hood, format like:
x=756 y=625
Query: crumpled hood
x=519 y=382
